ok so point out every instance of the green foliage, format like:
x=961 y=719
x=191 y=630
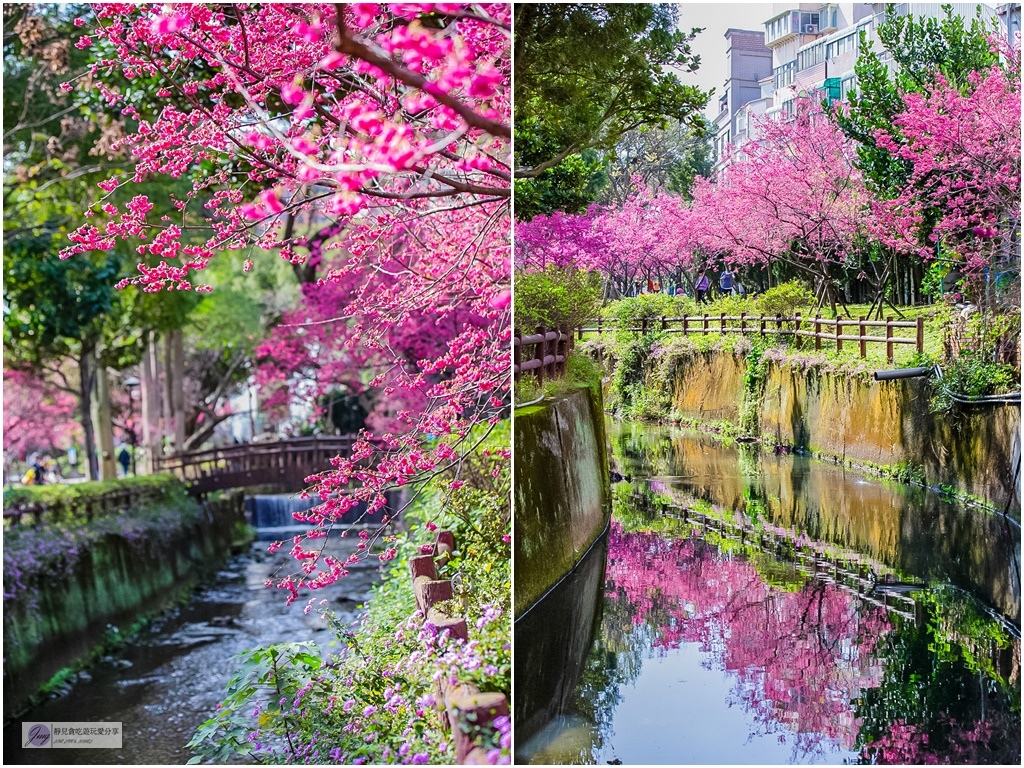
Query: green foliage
x=631 y=312
x=570 y=186
x=754 y=378
x=555 y=298
x=580 y=371
x=971 y=375
x=274 y=674
x=785 y=299
x=665 y=159
x=639 y=390
x=920 y=49
x=586 y=73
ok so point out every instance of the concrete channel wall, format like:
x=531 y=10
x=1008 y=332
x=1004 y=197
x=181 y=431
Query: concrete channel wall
x=975 y=451
x=60 y=621
x=562 y=500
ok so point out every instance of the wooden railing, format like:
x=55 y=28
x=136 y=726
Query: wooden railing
x=543 y=352
x=281 y=462
x=797 y=327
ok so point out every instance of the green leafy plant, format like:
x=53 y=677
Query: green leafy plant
x=556 y=298
x=785 y=299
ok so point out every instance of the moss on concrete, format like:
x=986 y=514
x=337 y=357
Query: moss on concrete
x=889 y=425
x=64 y=612
x=561 y=489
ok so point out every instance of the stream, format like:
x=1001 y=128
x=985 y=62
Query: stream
x=171 y=676
x=768 y=608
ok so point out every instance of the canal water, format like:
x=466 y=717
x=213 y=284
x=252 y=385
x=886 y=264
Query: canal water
x=170 y=678
x=763 y=608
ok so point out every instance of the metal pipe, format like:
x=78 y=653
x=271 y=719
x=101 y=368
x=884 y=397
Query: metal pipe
x=902 y=373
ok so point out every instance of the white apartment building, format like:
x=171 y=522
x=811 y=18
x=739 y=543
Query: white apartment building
x=814 y=46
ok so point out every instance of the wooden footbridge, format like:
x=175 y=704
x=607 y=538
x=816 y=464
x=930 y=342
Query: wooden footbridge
x=286 y=463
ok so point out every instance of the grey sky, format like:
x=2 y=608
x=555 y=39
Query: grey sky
x=710 y=44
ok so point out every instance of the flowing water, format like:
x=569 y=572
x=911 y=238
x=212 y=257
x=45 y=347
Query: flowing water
x=770 y=608
x=171 y=676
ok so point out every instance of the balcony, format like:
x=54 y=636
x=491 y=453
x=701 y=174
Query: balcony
x=789 y=25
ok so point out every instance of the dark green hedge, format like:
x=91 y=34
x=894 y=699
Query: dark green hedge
x=61 y=501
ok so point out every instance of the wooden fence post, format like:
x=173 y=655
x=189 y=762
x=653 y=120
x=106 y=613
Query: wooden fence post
x=920 y=335
x=761 y=318
x=863 y=341
x=539 y=352
x=686 y=324
x=517 y=354
x=817 y=332
x=839 y=334
x=643 y=326
x=721 y=329
x=797 y=339
x=705 y=324
x=664 y=323
x=888 y=338
x=743 y=323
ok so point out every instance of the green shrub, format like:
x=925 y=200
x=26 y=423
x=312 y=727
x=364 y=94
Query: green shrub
x=69 y=500
x=785 y=299
x=647 y=306
x=971 y=375
x=556 y=298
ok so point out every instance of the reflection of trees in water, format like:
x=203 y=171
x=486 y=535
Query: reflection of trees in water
x=798 y=657
x=951 y=688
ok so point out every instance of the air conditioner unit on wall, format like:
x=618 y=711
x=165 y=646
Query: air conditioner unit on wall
x=810 y=29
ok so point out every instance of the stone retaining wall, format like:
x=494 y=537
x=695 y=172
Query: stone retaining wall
x=974 y=451
x=561 y=489
x=61 y=620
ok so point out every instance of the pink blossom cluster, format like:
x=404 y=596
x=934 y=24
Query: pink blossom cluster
x=963 y=147
x=383 y=127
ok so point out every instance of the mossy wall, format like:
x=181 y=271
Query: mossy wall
x=61 y=620
x=562 y=501
x=973 y=451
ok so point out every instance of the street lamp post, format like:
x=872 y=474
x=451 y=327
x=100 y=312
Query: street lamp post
x=132 y=384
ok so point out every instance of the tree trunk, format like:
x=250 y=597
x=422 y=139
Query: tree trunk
x=86 y=376
x=150 y=389
x=104 y=426
x=166 y=402
x=178 y=387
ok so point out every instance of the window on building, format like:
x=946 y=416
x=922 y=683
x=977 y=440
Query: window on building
x=811 y=56
x=741 y=121
x=809 y=22
x=842 y=45
x=785 y=75
x=848 y=86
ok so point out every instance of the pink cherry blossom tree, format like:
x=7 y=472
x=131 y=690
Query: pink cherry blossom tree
x=646 y=237
x=963 y=148
x=37 y=415
x=385 y=124
x=794 y=196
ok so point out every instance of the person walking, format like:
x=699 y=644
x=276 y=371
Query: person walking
x=124 y=459
x=702 y=287
x=725 y=282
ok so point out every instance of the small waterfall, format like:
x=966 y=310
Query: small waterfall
x=276 y=510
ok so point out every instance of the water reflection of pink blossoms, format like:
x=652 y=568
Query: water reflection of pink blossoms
x=800 y=657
